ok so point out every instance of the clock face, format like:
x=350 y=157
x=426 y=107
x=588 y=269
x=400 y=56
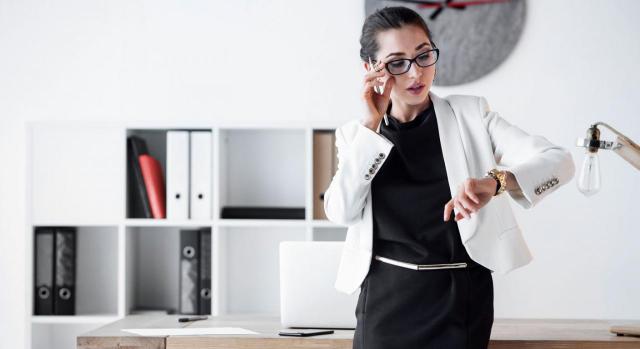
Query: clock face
x=474 y=37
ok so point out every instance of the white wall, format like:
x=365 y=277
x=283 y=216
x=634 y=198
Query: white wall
x=291 y=60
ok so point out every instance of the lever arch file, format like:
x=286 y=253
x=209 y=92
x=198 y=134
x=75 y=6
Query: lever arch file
x=205 y=271
x=44 y=271
x=200 y=172
x=65 y=267
x=178 y=174
x=189 y=271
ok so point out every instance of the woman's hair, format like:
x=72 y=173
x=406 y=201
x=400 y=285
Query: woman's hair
x=384 y=19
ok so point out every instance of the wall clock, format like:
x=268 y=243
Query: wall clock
x=474 y=37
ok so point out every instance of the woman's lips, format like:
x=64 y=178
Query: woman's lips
x=416 y=90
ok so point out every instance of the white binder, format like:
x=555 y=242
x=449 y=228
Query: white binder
x=177 y=174
x=200 y=175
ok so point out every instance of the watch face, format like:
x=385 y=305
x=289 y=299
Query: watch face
x=474 y=37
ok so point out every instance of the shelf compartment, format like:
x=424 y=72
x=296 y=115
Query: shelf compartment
x=156 y=144
x=75 y=173
x=247 y=278
x=261 y=168
x=152 y=271
x=96 y=271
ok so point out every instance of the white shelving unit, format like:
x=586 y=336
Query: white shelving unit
x=78 y=177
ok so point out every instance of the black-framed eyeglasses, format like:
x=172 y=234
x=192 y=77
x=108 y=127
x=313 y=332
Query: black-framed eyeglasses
x=402 y=65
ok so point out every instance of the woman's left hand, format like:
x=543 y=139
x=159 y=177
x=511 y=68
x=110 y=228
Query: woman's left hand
x=472 y=195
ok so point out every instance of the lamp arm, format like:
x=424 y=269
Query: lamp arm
x=619 y=134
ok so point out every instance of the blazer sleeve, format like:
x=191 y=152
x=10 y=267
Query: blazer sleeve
x=539 y=166
x=361 y=153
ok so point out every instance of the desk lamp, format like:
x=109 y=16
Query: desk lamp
x=589 y=180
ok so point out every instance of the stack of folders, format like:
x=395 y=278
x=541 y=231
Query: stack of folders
x=195 y=272
x=325 y=164
x=188 y=177
x=55 y=271
x=189 y=174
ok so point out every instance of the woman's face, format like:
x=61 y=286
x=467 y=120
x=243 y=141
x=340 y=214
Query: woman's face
x=408 y=41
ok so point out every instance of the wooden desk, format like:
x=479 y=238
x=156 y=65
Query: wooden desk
x=506 y=333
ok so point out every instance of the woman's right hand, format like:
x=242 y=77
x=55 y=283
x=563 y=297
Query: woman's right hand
x=376 y=104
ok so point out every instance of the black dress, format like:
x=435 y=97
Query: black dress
x=403 y=308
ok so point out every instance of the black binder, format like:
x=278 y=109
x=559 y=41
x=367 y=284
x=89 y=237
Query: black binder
x=205 y=271
x=65 y=272
x=44 y=271
x=139 y=206
x=189 y=272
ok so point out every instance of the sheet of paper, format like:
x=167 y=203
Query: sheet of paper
x=188 y=331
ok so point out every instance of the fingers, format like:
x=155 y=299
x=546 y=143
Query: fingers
x=374 y=83
x=466 y=203
x=448 y=207
x=368 y=90
x=461 y=209
x=467 y=198
x=379 y=66
x=469 y=191
x=372 y=79
x=375 y=73
x=387 y=87
x=371 y=75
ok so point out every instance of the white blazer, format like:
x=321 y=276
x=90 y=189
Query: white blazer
x=474 y=140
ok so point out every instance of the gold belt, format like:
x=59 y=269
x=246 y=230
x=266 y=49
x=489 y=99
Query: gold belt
x=421 y=266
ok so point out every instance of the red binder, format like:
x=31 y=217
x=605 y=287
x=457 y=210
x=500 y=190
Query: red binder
x=153 y=182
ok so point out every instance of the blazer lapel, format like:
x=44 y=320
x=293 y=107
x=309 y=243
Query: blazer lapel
x=455 y=158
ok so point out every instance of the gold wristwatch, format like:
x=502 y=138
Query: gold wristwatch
x=500 y=177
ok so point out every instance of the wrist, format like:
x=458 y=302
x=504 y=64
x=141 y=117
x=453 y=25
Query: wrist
x=491 y=184
x=368 y=124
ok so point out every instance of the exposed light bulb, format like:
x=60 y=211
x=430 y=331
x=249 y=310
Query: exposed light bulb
x=589 y=180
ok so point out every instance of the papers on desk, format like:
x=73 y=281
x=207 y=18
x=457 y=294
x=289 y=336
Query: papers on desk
x=187 y=331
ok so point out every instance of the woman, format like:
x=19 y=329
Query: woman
x=420 y=193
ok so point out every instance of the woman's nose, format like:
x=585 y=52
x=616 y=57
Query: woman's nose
x=415 y=71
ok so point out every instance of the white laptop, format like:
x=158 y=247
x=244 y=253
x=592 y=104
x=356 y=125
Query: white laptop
x=308 y=298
